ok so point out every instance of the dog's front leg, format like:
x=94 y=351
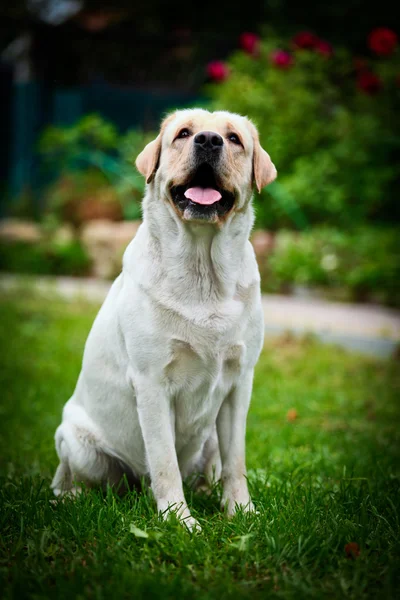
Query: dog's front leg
x=231 y=427
x=166 y=481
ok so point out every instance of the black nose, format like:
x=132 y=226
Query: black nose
x=208 y=140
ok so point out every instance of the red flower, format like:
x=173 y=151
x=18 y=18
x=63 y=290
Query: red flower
x=369 y=82
x=217 y=70
x=382 y=41
x=250 y=43
x=281 y=59
x=323 y=47
x=305 y=40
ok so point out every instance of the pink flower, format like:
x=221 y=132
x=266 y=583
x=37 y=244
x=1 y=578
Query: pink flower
x=217 y=70
x=305 y=40
x=382 y=41
x=281 y=59
x=250 y=43
x=323 y=47
x=369 y=83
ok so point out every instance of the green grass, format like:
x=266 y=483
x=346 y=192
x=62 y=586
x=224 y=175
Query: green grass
x=324 y=479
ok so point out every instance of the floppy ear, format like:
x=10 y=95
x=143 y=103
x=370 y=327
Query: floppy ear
x=147 y=161
x=264 y=170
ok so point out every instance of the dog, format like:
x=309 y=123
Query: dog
x=168 y=365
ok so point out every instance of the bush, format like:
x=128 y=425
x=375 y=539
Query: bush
x=364 y=264
x=79 y=196
x=330 y=122
x=93 y=172
x=44 y=258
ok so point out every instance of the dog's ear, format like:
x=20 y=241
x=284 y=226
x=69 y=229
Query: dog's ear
x=148 y=159
x=264 y=171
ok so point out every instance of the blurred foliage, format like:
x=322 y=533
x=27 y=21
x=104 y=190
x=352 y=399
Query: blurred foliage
x=48 y=257
x=336 y=145
x=364 y=264
x=93 y=171
x=91 y=132
x=78 y=196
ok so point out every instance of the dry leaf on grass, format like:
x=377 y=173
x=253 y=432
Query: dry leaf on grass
x=352 y=550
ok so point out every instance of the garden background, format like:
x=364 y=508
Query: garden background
x=84 y=86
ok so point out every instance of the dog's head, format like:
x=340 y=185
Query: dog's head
x=205 y=164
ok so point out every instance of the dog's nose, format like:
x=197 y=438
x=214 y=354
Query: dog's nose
x=208 y=140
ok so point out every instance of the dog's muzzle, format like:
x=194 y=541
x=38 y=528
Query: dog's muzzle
x=202 y=198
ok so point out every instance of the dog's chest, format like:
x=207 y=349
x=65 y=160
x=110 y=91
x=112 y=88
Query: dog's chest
x=199 y=381
x=189 y=369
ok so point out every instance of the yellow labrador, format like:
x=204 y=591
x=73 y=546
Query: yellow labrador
x=168 y=366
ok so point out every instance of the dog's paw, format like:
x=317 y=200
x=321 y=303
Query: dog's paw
x=191 y=523
x=180 y=512
x=204 y=488
x=186 y=519
x=232 y=506
x=61 y=495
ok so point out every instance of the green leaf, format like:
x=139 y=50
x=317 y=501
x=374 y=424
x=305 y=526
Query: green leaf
x=242 y=543
x=138 y=532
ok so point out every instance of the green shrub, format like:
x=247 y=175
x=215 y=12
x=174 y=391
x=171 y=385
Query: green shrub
x=22 y=257
x=67 y=258
x=333 y=134
x=80 y=195
x=90 y=159
x=44 y=258
x=90 y=132
x=365 y=263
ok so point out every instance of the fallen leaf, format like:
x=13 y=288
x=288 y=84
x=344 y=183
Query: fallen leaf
x=138 y=532
x=243 y=542
x=352 y=550
x=291 y=415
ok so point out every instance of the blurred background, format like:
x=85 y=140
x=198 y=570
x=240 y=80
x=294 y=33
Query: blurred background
x=85 y=84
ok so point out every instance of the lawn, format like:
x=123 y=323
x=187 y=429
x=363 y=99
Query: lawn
x=324 y=467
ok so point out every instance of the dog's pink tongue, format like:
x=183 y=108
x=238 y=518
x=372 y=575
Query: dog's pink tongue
x=203 y=195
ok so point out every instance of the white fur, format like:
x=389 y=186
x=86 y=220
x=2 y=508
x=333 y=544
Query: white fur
x=167 y=370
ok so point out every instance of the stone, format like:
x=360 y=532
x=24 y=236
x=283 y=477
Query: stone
x=17 y=230
x=263 y=243
x=105 y=242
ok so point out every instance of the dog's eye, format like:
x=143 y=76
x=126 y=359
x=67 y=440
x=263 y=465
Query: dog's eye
x=183 y=133
x=232 y=137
